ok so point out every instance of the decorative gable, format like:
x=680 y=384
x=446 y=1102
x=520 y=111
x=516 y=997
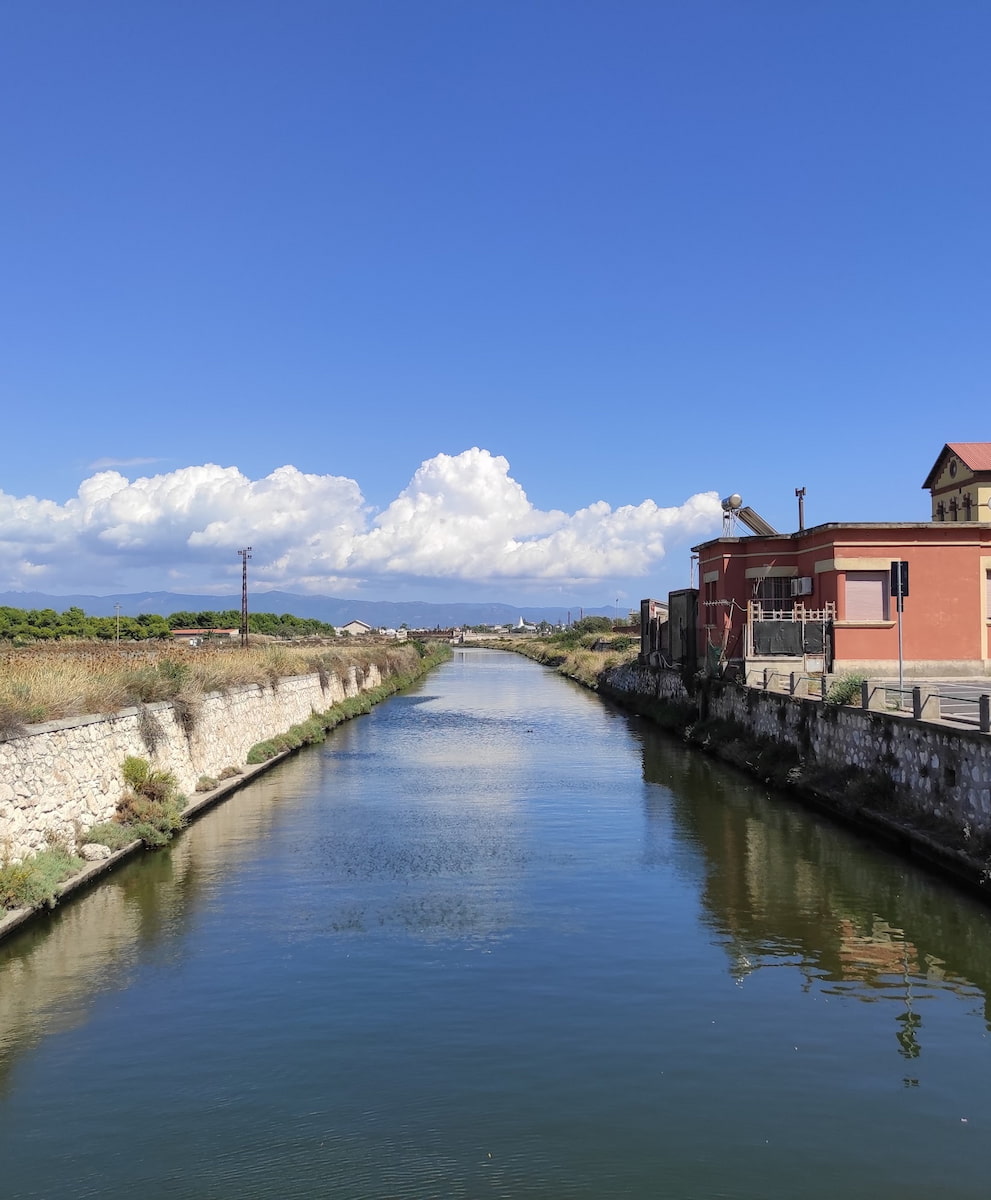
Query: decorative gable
x=960 y=482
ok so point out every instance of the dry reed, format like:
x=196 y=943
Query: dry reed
x=48 y=683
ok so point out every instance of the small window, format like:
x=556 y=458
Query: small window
x=866 y=595
x=774 y=593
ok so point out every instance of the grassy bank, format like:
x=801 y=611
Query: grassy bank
x=574 y=657
x=48 y=683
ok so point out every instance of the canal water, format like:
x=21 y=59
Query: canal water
x=497 y=939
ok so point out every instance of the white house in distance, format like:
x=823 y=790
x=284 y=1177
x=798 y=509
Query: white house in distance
x=355 y=628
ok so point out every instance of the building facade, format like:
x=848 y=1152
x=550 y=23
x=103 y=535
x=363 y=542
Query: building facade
x=821 y=598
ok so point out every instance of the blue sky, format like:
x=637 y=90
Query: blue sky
x=478 y=300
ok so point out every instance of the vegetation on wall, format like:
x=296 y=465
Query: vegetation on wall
x=845 y=689
x=51 y=682
x=316 y=728
x=34 y=883
x=151 y=808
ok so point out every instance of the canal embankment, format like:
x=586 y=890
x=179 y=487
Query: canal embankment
x=922 y=786
x=60 y=779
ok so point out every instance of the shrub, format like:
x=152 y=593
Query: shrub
x=109 y=833
x=262 y=751
x=34 y=882
x=206 y=783
x=145 y=780
x=151 y=809
x=152 y=821
x=845 y=689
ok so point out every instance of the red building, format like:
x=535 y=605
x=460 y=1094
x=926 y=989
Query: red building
x=821 y=598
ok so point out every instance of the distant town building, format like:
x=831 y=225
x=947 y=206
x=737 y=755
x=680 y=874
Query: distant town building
x=356 y=628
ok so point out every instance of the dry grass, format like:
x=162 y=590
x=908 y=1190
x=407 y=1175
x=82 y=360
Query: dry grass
x=577 y=662
x=48 y=683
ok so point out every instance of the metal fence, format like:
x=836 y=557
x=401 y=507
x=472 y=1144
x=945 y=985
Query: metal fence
x=959 y=703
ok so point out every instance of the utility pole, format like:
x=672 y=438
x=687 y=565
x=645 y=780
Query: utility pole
x=117 y=610
x=245 y=555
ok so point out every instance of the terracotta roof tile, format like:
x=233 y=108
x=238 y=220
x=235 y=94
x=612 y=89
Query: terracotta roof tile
x=975 y=456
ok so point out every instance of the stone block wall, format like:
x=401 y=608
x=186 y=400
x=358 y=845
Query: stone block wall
x=64 y=776
x=937 y=773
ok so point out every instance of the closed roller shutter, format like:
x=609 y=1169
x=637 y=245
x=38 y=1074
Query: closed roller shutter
x=867 y=596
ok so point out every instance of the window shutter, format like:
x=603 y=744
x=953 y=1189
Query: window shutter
x=866 y=596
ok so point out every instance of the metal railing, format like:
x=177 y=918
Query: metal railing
x=793 y=610
x=924 y=702
x=789 y=683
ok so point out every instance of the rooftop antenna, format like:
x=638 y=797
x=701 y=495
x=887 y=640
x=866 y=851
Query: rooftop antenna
x=800 y=493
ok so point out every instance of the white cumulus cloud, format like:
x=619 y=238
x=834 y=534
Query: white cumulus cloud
x=461 y=517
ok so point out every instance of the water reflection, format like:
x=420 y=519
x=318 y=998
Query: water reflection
x=52 y=970
x=784 y=886
x=497 y=938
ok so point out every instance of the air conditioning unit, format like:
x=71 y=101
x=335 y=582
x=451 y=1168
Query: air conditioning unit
x=801 y=586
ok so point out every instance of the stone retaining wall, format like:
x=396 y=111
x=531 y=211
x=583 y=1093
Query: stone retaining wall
x=64 y=776
x=922 y=771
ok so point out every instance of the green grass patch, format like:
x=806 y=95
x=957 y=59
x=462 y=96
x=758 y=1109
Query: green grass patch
x=109 y=833
x=846 y=689
x=35 y=881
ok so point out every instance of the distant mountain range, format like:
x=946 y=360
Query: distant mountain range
x=377 y=613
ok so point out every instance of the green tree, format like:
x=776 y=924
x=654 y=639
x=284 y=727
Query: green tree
x=592 y=625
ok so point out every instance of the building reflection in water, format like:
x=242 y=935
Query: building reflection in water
x=785 y=886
